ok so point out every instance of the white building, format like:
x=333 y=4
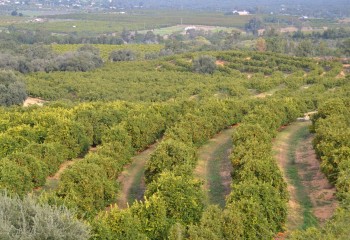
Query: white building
x=241 y=13
x=190 y=28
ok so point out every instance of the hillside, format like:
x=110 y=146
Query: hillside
x=197 y=135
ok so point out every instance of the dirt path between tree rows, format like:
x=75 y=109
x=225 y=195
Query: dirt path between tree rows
x=52 y=181
x=214 y=167
x=321 y=192
x=312 y=198
x=132 y=178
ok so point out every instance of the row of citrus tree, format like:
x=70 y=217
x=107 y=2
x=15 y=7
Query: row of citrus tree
x=149 y=80
x=257 y=205
x=259 y=195
x=34 y=141
x=331 y=126
x=175 y=205
x=90 y=185
x=174 y=199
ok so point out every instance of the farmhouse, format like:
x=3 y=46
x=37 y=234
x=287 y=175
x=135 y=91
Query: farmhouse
x=190 y=28
x=241 y=13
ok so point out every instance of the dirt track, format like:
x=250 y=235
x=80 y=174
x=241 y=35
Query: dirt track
x=321 y=192
x=131 y=179
x=214 y=166
x=306 y=183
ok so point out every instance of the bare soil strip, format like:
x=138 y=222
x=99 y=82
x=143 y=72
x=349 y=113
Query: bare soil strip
x=33 y=101
x=132 y=178
x=52 y=181
x=312 y=198
x=62 y=168
x=214 y=167
x=320 y=191
x=280 y=148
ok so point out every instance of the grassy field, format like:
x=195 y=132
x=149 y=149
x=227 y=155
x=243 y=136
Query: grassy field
x=181 y=29
x=163 y=18
x=320 y=23
x=6 y=21
x=163 y=22
x=81 y=26
x=114 y=22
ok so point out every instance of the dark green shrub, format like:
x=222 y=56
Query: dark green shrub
x=122 y=55
x=12 y=89
x=204 y=64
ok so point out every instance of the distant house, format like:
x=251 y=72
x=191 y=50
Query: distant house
x=38 y=20
x=190 y=28
x=241 y=13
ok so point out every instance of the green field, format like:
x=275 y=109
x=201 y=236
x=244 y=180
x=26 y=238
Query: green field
x=152 y=18
x=113 y=22
x=181 y=29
